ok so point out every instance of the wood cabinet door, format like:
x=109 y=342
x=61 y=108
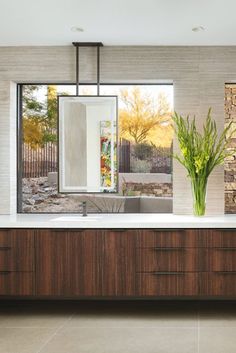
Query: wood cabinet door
x=118 y=267
x=68 y=263
x=52 y=262
x=85 y=263
x=17 y=283
x=17 y=250
x=17 y=262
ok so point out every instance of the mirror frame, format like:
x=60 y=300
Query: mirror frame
x=59 y=146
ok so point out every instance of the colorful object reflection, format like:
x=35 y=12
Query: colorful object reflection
x=108 y=154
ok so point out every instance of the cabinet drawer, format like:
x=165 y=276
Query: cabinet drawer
x=167 y=238
x=16 y=250
x=218 y=284
x=219 y=259
x=167 y=284
x=16 y=283
x=167 y=259
x=224 y=238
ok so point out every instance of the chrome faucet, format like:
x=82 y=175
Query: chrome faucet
x=84 y=212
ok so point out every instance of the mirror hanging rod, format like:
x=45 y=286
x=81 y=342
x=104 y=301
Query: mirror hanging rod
x=77 y=70
x=98 y=70
x=87 y=44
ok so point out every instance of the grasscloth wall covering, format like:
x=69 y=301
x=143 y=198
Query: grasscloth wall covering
x=198 y=74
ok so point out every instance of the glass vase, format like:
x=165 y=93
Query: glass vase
x=199 y=187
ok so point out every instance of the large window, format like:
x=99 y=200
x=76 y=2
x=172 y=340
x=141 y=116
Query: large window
x=144 y=144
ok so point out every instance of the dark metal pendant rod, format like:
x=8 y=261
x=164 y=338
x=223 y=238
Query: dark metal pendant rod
x=87 y=44
x=77 y=70
x=98 y=70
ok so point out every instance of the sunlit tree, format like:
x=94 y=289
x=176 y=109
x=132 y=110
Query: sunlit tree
x=142 y=115
x=39 y=117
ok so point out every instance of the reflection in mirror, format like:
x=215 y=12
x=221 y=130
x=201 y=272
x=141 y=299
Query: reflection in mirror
x=87 y=144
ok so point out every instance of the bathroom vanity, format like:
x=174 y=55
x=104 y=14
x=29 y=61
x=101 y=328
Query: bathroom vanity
x=118 y=256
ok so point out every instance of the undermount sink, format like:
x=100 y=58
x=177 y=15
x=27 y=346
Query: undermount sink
x=77 y=218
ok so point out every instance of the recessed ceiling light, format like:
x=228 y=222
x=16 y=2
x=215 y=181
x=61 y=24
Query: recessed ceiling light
x=198 y=29
x=76 y=29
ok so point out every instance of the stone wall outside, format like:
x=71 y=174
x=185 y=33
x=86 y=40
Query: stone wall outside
x=230 y=162
x=148 y=189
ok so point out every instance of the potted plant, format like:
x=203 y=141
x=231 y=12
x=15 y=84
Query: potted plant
x=200 y=153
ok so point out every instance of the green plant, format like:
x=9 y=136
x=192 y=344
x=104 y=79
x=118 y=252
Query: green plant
x=201 y=153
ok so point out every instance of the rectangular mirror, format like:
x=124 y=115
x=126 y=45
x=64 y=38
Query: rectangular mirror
x=87 y=133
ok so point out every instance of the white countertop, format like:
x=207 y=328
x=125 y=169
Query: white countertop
x=116 y=221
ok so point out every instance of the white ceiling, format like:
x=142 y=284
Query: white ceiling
x=117 y=22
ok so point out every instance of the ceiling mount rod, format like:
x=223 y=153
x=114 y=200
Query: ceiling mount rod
x=98 y=71
x=77 y=70
x=87 y=44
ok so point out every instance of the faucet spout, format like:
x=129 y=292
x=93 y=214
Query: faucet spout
x=84 y=212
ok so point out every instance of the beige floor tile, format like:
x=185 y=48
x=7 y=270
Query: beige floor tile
x=126 y=340
x=218 y=315
x=135 y=314
x=41 y=315
x=27 y=340
x=217 y=340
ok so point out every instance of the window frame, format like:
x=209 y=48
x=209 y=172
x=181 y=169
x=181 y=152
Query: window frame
x=19 y=129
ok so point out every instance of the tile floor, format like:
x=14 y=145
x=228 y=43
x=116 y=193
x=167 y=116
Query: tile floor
x=117 y=327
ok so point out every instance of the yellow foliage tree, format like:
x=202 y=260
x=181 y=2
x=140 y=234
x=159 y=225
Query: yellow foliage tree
x=39 y=118
x=144 y=120
x=32 y=132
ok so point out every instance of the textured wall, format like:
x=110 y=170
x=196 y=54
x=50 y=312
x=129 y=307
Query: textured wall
x=198 y=74
x=230 y=162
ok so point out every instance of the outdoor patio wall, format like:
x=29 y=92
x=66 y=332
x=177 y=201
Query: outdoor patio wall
x=198 y=74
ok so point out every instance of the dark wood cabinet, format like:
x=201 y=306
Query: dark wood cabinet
x=156 y=259
x=68 y=263
x=170 y=284
x=85 y=263
x=167 y=263
x=17 y=264
x=16 y=250
x=219 y=238
x=218 y=284
x=218 y=258
x=17 y=283
x=168 y=238
x=118 y=263
x=52 y=263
